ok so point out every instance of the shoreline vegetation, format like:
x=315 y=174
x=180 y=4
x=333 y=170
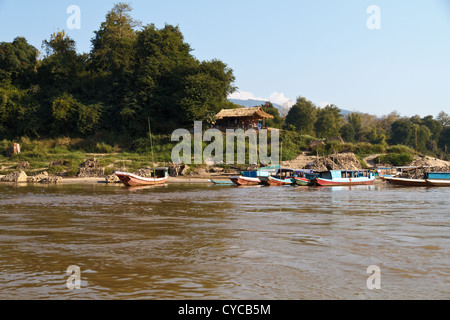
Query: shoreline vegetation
x=63 y=161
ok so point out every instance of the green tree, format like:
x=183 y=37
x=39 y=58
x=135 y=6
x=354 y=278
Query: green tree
x=434 y=126
x=19 y=106
x=113 y=44
x=163 y=61
x=402 y=132
x=19 y=111
x=72 y=117
x=205 y=90
x=422 y=138
x=328 y=122
x=302 y=116
x=277 y=121
x=62 y=69
x=112 y=62
x=18 y=62
x=351 y=130
x=443 y=118
x=444 y=140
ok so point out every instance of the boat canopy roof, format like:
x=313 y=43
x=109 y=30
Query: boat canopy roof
x=360 y=170
x=295 y=170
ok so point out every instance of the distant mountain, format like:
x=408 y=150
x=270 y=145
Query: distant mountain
x=256 y=103
x=252 y=103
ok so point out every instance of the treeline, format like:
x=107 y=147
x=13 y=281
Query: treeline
x=427 y=135
x=132 y=74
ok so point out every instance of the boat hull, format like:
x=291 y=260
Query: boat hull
x=132 y=180
x=344 y=182
x=245 y=181
x=409 y=182
x=222 y=182
x=271 y=181
x=302 y=182
x=438 y=183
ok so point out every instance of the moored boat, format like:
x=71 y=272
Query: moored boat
x=438 y=183
x=431 y=179
x=160 y=176
x=282 y=178
x=302 y=181
x=245 y=181
x=253 y=177
x=222 y=182
x=273 y=181
x=344 y=178
x=408 y=182
x=304 y=177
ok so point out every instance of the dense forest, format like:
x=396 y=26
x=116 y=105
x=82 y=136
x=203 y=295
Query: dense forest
x=137 y=73
x=427 y=135
x=131 y=74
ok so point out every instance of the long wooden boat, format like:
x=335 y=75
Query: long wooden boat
x=287 y=177
x=132 y=180
x=345 y=178
x=222 y=182
x=438 y=183
x=245 y=181
x=253 y=177
x=409 y=182
x=273 y=181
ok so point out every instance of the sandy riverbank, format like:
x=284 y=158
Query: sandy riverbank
x=203 y=179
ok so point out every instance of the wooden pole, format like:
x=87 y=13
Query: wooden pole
x=151 y=145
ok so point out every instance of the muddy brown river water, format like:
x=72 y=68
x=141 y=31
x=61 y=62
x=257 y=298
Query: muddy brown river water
x=186 y=241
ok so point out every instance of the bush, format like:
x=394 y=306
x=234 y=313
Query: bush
x=400 y=149
x=395 y=159
x=102 y=147
x=366 y=148
x=56 y=170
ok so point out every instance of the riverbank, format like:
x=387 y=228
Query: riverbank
x=171 y=180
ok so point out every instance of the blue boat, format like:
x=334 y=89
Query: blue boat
x=438 y=175
x=438 y=179
x=345 y=178
x=222 y=182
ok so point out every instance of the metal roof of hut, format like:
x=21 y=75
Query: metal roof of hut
x=255 y=112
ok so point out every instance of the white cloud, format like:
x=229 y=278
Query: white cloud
x=323 y=104
x=244 y=95
x=275 y=97
x=278 y=98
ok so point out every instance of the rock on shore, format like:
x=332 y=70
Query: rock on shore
x=420 y=172
x=44 y=177
x=18 y=176
x=91 y=169
x=342 y=161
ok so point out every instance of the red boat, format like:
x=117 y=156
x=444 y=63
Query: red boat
x=245 y=181
x=272 y=181
x=160 y=176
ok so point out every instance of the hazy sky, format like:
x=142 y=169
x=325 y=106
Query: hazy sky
x=394 y=56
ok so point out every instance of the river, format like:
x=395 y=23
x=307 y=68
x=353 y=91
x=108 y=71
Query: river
x=198 y=241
